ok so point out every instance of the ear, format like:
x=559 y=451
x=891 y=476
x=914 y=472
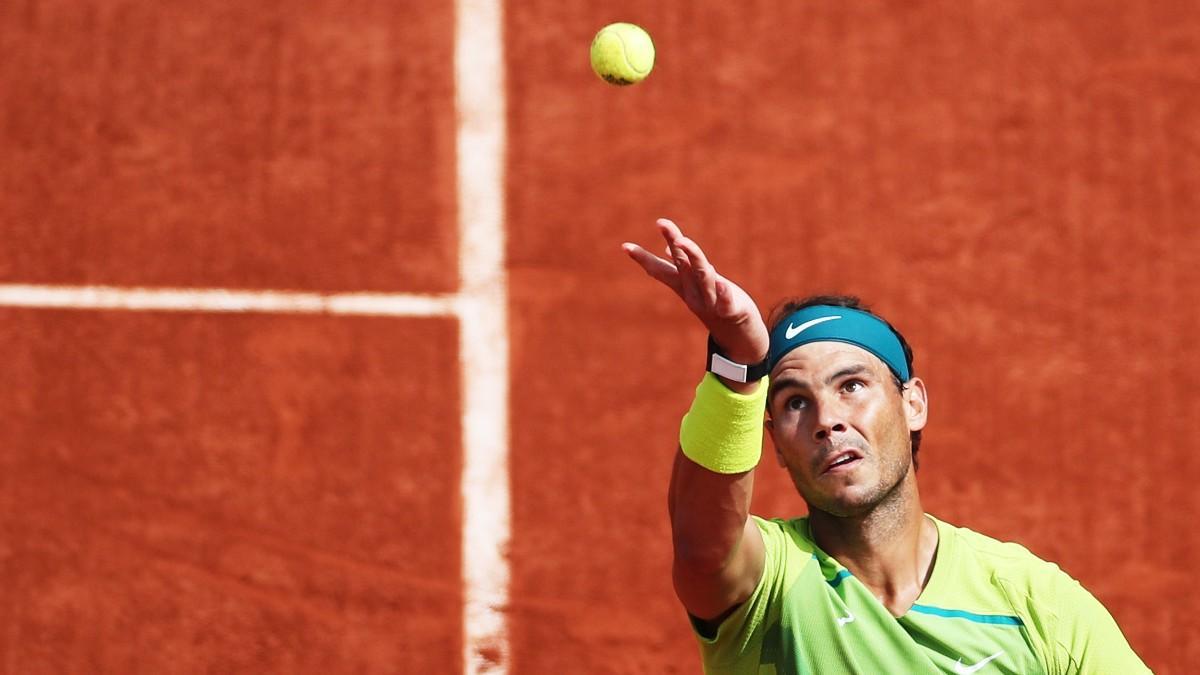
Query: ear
x=916 y=404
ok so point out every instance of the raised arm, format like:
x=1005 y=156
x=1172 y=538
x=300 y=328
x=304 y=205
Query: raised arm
x=718 y=549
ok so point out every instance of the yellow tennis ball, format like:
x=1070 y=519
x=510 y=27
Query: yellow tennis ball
x=622 y=53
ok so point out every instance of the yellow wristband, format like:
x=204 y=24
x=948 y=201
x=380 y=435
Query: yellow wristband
x=723 y=430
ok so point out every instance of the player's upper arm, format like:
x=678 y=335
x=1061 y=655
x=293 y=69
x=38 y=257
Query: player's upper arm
x=710 y=593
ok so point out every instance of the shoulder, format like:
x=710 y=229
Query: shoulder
x=1007 y=571
x=1004 y=559
x=1075 y=631
x=1037 y=590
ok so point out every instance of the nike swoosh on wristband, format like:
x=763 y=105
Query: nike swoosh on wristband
x=793 y=331
x=963 y=669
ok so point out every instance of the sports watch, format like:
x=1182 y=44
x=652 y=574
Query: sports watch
x=719 y=364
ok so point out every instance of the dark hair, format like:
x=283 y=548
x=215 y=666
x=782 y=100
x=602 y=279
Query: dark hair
x=789 y=305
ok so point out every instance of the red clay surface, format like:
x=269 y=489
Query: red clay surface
x=187 y=493
x=223 y=143
x=1014 y=184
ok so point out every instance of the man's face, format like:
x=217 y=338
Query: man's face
x=841 y=427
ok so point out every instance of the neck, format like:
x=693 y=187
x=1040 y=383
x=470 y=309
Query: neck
x=890 y=548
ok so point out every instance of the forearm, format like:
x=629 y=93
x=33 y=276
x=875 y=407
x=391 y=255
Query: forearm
x=708 y=514
x=718 y=551
x=720 y=442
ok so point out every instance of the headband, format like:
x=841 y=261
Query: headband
x=827 y=323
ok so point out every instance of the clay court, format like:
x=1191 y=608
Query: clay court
x=322 y=356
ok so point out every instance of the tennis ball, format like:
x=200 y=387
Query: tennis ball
x=622 y=53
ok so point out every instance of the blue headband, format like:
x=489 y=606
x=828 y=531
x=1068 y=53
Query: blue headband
x=826 y=323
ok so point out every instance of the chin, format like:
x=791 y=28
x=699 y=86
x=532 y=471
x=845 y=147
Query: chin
x=846 y=501
x=848 y=497
x=846 y=508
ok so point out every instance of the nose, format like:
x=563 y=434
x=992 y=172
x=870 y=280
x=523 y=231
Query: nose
x=830 y=420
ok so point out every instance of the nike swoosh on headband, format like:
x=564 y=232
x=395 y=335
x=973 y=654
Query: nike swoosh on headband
x=793 y=331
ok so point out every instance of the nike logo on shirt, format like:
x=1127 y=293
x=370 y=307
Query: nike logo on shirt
x=962 y=669
x=793 y=331
x=843 y=620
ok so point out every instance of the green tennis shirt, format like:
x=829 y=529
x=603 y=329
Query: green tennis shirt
x=989 y=607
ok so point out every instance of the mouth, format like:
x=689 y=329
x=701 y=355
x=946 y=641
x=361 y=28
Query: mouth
x=842 y=461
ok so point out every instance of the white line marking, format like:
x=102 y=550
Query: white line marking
x=480 y=305
x=225 y=300
x=483 y=333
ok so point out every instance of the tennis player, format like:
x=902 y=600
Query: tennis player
x=867 y=582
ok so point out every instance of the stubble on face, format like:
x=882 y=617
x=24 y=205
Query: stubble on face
x=853 y=498
x=875 y=427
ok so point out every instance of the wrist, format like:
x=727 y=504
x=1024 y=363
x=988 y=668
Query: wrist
x=734 y=370
x=723 y=430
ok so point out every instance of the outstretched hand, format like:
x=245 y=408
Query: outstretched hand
x=727 y=311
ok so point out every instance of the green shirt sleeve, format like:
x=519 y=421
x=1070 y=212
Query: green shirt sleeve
x=738 y=643
x=1086 y=640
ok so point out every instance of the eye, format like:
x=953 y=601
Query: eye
x=852 y=386
x=795 y=403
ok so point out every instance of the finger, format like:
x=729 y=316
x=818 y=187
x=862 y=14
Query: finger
x=678 y=243
x=697 y=275
x=688 y=284
x=679 y=259
x=696 y=258
x=656 y=267
x=671 y=232
x=684 y=280
x=645 y=258
x=668 y=228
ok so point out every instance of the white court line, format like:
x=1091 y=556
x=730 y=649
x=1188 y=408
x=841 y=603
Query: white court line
x=480 y=306
x=483 y=333
x=225 y=300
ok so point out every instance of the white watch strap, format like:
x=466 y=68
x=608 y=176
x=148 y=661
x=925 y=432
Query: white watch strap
x=719 y=365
